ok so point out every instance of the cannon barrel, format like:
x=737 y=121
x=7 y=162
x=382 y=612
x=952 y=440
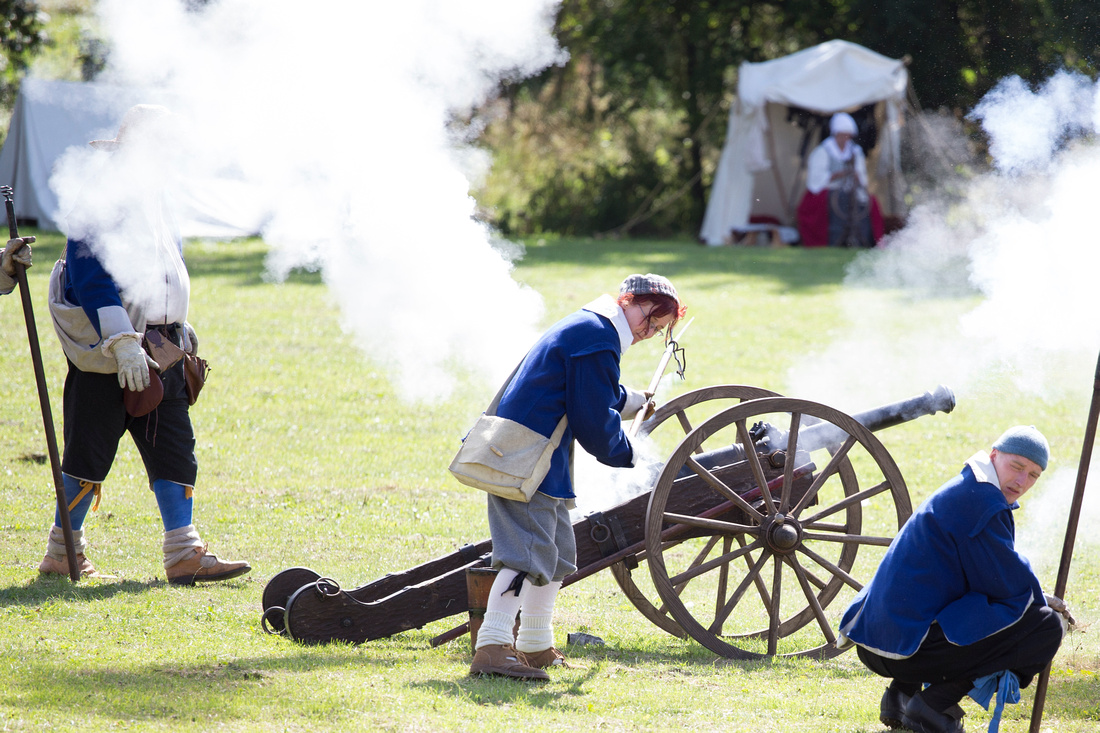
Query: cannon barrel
x=826 y=435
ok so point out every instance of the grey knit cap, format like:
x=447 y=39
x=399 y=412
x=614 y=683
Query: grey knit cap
x=1026 y=441
x=648 y=284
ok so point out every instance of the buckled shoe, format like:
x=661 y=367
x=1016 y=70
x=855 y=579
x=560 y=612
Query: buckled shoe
x=549 y=658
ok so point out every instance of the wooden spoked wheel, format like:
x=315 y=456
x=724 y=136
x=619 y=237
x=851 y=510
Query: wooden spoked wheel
x=782 y=538
x=677 y=416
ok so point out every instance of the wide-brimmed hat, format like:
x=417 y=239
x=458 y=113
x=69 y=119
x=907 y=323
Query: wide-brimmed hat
x=136 y=118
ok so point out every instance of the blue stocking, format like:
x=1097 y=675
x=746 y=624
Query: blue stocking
x=73 y=488
x=175 y=503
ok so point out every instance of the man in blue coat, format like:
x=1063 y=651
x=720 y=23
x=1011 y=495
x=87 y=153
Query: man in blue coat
x=123 y=283
x=953 y=601
x=571 y=372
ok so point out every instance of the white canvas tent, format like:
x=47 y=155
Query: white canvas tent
x=760 y=172
x=51 y=116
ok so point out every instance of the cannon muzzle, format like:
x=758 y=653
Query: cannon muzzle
x=826 y=435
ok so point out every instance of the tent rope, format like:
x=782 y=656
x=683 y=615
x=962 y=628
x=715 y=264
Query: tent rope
x=930 y=138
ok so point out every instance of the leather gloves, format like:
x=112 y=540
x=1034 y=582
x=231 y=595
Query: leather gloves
x=190 y=340
x=16 y=251
x=133 y=363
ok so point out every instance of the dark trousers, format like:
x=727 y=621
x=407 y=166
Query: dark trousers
x=95 y=420
x=1026 y=648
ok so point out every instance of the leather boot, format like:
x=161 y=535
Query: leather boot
x=892 y=707
x=52 y=566
x=205 y=567
x=505 y=661
x=919 y=716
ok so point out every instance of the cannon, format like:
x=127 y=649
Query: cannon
x=764 y=512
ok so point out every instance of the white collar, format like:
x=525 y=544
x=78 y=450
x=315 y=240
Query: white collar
x=982 y=466
x=606 y=306
x=835 y=151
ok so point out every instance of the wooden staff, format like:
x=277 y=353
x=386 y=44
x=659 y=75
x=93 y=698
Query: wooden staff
x=43 y=395
x=1071 y=537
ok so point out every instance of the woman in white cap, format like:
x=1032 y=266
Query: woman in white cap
x=572 y=371
x=837 y=210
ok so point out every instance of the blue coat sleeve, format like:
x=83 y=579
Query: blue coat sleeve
x=89 y=285
x=1000 y=582
x=593 y=396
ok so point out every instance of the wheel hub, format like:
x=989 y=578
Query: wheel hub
x=783 y=534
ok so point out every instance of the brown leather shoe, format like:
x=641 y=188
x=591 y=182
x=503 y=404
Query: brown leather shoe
x=50 y=566
x=205 y=567
x=549 y=658
x=504 y=660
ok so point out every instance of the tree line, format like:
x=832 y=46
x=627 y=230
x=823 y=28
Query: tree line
x=623 y=138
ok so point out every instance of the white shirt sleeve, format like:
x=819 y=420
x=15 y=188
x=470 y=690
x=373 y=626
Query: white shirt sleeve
x=817 y=170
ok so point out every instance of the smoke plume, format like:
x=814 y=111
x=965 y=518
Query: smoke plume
x=1011 y=253
x=338 y=120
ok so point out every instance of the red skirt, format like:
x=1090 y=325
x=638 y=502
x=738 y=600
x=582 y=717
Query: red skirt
x=813 y=219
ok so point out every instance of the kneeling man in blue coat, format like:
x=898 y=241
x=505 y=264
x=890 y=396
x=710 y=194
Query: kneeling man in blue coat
x=953 y=603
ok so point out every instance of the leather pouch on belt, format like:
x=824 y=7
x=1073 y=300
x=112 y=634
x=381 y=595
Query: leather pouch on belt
x=164 y=352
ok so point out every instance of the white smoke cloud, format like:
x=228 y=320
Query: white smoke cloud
x=338 y=118
x=996 y=283
x=1043 y=520
x=1025 y=128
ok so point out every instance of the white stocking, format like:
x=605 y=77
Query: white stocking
x=500 y=611
x=536 y=630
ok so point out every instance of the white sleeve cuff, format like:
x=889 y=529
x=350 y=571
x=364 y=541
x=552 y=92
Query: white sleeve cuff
x=114 y=324
x=635 y=400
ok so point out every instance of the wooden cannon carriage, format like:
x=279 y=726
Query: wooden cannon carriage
x=752 y=527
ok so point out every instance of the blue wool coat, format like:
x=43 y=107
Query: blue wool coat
x=954 y=562
x=573 y=370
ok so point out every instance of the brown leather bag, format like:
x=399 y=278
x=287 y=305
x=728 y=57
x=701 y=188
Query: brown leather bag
x=167 y=354
x=195 y=369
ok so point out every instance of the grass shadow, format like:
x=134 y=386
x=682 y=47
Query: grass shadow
x=244 y=260
x=58 y=588
x=163 y=691
x=493 y=690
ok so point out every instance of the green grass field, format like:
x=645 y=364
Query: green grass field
x=328 y=469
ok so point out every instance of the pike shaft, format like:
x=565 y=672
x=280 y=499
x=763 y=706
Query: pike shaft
x=43 y=395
